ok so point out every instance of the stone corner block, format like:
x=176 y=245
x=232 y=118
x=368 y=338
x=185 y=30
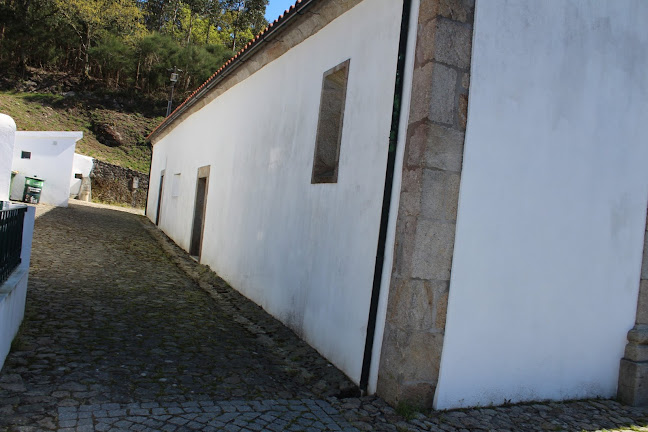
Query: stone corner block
x=435 y=146
x=418 y=395
x=642 y=303
x=442 y=96
x=638 y=334
x=433 y=248
x=411 y=305
x=644 y=265
x=636 y=352
x=453 y=43
x=421 y=92
x=440 y=195
x=457 y=10
x=633 y=383
x=444 y=149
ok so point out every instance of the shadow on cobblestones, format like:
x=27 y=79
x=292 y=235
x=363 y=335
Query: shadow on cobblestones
x=110 y=319
x=124 y=331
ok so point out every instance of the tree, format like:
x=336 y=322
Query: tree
x=244 y=15
x=127 y=44
x=92 y=19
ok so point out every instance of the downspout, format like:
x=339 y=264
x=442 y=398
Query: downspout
x=387 y=193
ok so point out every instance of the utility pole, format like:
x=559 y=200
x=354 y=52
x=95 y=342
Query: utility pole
x=174 y=80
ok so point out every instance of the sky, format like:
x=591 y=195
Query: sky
x=276 y=8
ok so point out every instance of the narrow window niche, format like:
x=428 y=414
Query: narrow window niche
x=329 y=126
x=25 y=155
x=175 y=188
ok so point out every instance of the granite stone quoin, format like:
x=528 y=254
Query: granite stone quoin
x=426 y=217
x=633 y=373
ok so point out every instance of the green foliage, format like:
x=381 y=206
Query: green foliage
x=127 y=44
x=40 y=111
x=406 y=410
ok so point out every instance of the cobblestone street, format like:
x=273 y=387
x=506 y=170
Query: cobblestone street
x=124 y=331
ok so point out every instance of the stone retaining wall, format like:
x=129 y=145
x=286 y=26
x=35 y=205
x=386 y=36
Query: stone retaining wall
x=117 y=185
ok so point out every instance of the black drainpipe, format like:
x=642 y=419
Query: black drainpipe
x=389 y=180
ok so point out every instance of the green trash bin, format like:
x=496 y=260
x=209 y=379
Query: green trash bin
x=33 y=189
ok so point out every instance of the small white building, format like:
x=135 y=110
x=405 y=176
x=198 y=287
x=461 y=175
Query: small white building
x=48 y=156
x=447 y=199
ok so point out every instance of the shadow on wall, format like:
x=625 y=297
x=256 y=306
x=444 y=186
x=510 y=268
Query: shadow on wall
x=113 y=184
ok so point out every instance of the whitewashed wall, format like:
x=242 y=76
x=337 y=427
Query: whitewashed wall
x=13 y=292
x=7 y=137
x=304 y=252
x=80 y=165
x=52 y=154
x=552 y=204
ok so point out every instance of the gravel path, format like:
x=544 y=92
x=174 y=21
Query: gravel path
x=124 y=331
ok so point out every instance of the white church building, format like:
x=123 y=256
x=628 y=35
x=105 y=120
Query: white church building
x=446 y=198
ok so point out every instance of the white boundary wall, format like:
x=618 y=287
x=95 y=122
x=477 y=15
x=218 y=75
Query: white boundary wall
x=7 y=138
x=52 y=154
x=552 y=205
x=13 y=291
x=304 y=252
x=80 y=165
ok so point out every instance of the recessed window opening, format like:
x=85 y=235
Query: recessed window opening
x=329 y=126
x=78 y=176
x=175 y=190
x=25 y=155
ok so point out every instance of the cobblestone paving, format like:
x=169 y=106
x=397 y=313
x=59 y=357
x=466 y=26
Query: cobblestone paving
x=124 y=331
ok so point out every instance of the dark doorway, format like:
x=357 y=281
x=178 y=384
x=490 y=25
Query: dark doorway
x=159 y=204
x=199 y=212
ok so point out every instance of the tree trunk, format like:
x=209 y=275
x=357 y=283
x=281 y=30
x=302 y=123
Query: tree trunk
x=86 y=59
x=191 y=15
x=236 y=25
x=175 y=13
x=137 y=73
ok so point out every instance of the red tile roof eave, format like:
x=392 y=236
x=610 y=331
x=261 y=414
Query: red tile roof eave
x=231 y=64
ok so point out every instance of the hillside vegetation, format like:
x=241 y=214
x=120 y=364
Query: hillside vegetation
x=128 y=45
x=103 y=66
x=110 y=133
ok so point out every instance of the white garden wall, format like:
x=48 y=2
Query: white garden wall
x=52 y=154
x=552 y=204
x=305 y=252
x=7 y=138
x=13 y=291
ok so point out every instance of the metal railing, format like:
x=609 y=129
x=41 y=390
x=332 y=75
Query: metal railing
x=12 y=218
